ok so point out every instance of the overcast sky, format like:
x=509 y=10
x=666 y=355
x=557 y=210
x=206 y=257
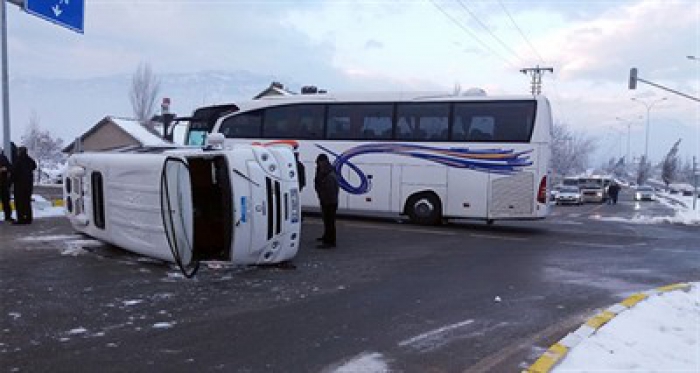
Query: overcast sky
x=404 y=45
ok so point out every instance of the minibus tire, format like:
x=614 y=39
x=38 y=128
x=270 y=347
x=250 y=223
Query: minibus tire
x=424 y=209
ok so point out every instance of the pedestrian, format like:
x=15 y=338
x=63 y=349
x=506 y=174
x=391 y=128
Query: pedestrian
x=301 y=172
x=613 y=191
x=326 y=184
x=5 y=178
x=23 y=181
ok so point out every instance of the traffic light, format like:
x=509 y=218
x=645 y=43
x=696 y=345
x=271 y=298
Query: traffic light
x=633 y=78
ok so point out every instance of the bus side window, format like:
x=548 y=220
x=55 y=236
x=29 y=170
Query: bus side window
x=422 y=122
x=481 y=128
x=376 y=121
x=360 y=121
x=338 y=122
x=311 y=121
x=280 y=123
x=246 y=125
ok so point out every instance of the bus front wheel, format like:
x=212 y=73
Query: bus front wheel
x=425 y=209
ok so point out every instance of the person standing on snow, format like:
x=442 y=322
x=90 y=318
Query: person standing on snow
x=326 y=185
x=23 y=180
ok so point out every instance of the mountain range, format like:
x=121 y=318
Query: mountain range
x=69 y=107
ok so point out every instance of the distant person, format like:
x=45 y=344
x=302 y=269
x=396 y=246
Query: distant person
x=5 y=180
x=301 y=172
x=326 y=184
x=613 y=191
x=23 y=181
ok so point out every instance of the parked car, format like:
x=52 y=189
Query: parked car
x=644 y=193
x=554 y=192
x=569 y=195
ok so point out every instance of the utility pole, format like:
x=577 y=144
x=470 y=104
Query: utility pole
x=696 y=175
x=536 y=74
x=5 y=84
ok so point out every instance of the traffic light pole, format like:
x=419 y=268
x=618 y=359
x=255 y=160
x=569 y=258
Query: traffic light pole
x=634 y=78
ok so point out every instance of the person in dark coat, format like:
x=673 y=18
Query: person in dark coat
x=326 y=184
x=613 y=191
x=23 y=181
x=5 y=178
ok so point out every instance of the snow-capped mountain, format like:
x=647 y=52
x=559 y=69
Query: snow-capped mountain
x=68 y=107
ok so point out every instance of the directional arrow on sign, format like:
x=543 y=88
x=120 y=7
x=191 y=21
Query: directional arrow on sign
x=62 y=12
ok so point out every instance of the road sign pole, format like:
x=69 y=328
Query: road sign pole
x=5 y=84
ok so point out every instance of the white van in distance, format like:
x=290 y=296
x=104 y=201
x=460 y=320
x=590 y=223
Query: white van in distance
x=187 y=205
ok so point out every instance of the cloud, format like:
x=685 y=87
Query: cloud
x=606 y=47
x=373 y=44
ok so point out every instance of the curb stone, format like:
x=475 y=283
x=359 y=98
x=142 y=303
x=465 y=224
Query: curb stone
x=558 y=351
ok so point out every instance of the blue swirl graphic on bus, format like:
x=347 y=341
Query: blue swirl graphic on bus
x=498 y=161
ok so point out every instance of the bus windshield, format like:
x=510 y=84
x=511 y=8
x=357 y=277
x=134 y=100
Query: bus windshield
x=203 y=121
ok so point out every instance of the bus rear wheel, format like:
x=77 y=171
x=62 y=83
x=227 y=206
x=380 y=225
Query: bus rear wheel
x=424 y=209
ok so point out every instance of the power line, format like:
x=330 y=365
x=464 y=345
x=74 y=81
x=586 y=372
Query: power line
x=471 y=34
x=537 y=53
x=476 y=18
x=520 y=31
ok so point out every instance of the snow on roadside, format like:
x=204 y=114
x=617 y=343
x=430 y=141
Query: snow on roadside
x=683 y=212
x=684 y=208
x=366 y=362
x=659 y=334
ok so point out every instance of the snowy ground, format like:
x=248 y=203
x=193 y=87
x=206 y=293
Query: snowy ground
x=659 y=334
x=682 y=206
x=42 y=208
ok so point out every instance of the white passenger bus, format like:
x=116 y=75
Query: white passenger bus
x=428 y=157
x=189 y=205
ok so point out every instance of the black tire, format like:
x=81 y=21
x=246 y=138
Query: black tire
x=424 y=209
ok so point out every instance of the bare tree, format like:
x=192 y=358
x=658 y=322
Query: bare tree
x=145 y=87
x=41 y=145
x=670 y=165
x=571 y=150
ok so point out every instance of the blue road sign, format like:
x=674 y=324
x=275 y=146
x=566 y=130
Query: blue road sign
x=66 y=13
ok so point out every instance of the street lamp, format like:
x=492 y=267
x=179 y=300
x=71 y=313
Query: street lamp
x=648 y=106
x=629 y=135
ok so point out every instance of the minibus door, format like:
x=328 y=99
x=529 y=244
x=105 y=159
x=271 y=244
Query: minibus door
x=177 y=213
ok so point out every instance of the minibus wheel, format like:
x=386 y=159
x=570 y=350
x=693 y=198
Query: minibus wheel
x=424 y=209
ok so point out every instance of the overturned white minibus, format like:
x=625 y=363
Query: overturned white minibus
x=187 y=205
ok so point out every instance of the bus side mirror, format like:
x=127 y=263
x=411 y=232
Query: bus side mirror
x=215 y=141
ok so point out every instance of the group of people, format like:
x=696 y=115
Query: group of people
x=327 y=188
x=17 y=176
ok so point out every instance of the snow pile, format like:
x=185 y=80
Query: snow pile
x=659 y=334
x=683 y=212
x=367 y=362
x=684 y=208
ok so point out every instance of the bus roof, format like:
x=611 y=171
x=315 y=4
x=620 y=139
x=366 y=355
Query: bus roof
x=368 y=97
